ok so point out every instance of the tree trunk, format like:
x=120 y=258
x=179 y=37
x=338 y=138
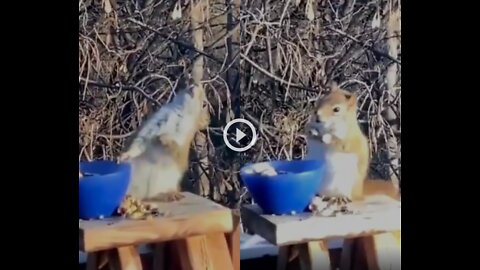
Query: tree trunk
x=393 y=31
x=197 y=15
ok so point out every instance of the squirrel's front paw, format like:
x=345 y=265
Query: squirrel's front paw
x=340 y=201
x=330 y=206
x=204 y=120
x=169 y=197
x=325 y=137
x=313 y=131
x=167 y=140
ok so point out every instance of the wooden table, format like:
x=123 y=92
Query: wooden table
x=195 y=232
x=372 y=235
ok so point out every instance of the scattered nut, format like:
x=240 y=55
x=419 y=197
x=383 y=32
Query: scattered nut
x=135 y=209
x=330 y=206
x=136 y=215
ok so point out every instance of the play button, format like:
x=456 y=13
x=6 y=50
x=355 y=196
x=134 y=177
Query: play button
x=241 y=136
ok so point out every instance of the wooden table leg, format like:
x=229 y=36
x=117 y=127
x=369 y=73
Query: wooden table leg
x=125 y=258
x=233 y=241
x=283 y=257
x=203 y=252
x=93 y=260
x=97 y=260
x=380 y=251
x=314 y=256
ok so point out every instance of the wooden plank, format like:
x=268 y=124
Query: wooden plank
x=377 y=214
x=193 y=215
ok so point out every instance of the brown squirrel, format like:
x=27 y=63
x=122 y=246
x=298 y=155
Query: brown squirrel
x=334 y=136
x=159 y=151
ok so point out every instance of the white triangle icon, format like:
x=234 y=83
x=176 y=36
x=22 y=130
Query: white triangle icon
x=239 y=135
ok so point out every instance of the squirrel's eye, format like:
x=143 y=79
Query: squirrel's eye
x=336 y=109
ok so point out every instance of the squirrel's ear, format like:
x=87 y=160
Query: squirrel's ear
x=334 y=86
x=351 y=98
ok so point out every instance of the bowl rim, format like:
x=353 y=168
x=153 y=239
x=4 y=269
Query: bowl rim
x=249 y=164
x=123 y=167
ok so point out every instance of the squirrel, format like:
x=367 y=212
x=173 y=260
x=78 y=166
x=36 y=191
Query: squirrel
x=334 y=136
x=159 y=151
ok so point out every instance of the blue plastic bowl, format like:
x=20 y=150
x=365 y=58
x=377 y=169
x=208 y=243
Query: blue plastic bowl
x=101 y=193
x=290 y=191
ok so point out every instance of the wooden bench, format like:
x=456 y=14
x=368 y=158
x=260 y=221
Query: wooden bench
x=195 y=233
x=372 y=235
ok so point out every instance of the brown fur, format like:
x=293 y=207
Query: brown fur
x=354 y=142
